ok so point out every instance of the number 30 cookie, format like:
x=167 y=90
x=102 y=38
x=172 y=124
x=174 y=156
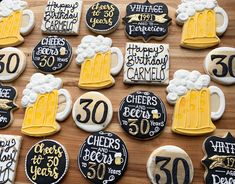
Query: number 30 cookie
x=92 y=112
x=170 y=164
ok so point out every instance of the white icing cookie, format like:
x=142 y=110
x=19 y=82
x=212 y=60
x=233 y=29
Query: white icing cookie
x=10 y=151
x=45 y=102
x=92 y=112
x=170 y=164
x=146 y=63
x=15 y=12
x=219 y=65
x=13 y=63
x=62 y=17
x=98 y=62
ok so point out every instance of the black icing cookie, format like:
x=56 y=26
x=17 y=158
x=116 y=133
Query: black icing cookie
x=102 y=17
x=219 y=160
x=46 y=162
x=142 y=115
x=52 y=55
x=103 y=158
x=147 y=20
x=7 y=98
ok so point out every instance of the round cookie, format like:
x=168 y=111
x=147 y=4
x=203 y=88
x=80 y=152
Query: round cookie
x=52 y=54
x=46 y=162
x=219 y=65
x=142 y=115
x=103 y=158
x=12 y=64
x=103 y=17
x=92 y=112
x=170 y=164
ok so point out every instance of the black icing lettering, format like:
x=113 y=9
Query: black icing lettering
x=175 y=171
x=86 y=109
x=105 y=112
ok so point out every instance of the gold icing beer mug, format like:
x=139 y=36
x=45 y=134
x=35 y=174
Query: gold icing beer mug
x=18 y=23
x=201 y=30
x=96 y=72
x=40 y=117
x=194 y=111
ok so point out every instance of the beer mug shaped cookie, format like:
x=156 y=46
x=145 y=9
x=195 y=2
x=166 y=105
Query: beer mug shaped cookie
x=98 y=62
x=45 y=102
x=203 y=21
x=15 y=21
x=195 y=103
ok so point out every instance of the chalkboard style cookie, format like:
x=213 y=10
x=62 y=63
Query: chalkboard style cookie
x=147 y=21
x=52 y=54
x=146 y=64
x=103 y=17
x=219 y=65
x=195 y=103
x=8 y=96
x=98 y=62
x=10 y=151
x=103 y=158
x=13 y=63
x=92 y=112
x=62 y=17
x=46 y=162
x=219 y=159
x=170 y=164
x=46 y=103
x=142 y=115
x=16 y=21
x=203 y=22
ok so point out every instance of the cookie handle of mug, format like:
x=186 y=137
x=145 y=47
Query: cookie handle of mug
x=27 y=16
x=61 y=116
x=221 y=13
x=217 y=91
x=116 y=69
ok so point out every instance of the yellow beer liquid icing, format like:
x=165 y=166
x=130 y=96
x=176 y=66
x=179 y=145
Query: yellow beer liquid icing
x=40 y=117
x=95 y=72
x=199 y=31
x=10 y=30
x=192 y=115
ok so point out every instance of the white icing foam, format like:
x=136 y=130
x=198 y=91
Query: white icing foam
x=90 y=45
x=188 y=8
x=184 y=81
x=39 y=84
x=9 y=6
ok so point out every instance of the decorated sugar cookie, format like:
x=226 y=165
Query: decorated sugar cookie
x=8 y=96
x=142 y=115
x=98 y=62
x=203 y=21
x=46 y=103
x=219 y=159
x=52 y=55
x=195 y=103
x=103 y=158
x=13 y=63
x=219 y=65
x=16 y=21
x=46 y=162
x=170 y=164
x=10 y=151
x=146 y=63
x=62 y=17
x=92 y=112
x=102 y=17
x=147 y=21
